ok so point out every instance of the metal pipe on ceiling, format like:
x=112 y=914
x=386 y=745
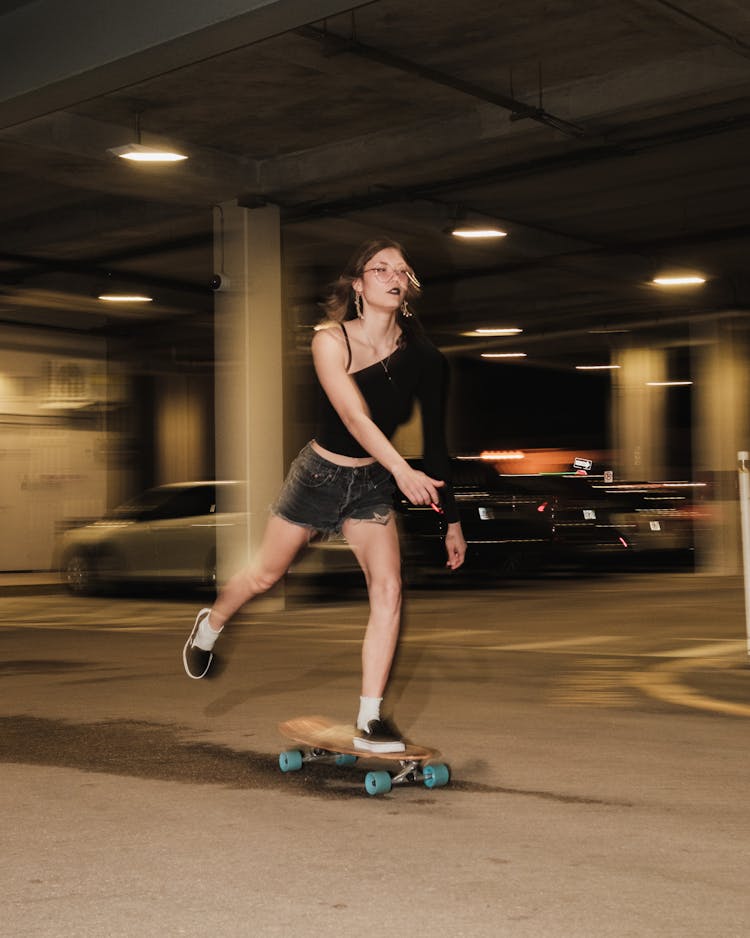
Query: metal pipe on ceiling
x=518 y=109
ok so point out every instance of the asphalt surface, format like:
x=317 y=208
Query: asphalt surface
x=596 y=730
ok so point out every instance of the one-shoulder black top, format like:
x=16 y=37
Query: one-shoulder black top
x=415 y=370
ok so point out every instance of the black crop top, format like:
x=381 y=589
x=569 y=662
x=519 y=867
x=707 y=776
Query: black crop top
x=416 y=370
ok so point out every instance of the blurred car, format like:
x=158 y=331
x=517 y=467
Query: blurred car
x=652 y=517
x=508 y=529
x=165 y=535
x=592 y=518
x=516 y=524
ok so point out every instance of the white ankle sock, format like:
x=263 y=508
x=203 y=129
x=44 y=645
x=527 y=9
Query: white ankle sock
x=369 y=709
x=205 y=637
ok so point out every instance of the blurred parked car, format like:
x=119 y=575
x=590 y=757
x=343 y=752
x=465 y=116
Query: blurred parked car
x=508 y=529
x=165 y=535
x=625 y=519
x=654 y=517
x=515 y=524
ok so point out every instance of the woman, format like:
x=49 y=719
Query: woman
x=371 y=361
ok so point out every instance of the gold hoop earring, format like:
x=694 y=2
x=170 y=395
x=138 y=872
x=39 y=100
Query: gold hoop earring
x=358 y=304
x=405 y=311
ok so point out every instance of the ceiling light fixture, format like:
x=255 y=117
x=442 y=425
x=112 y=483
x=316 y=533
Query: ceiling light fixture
x=483 y=333
x=503 y=354
x=125 y=298
x=668 y=384
x=470 y=225
x=687 y=280
x=596 y=367
x=140 y=153
x=468 y=232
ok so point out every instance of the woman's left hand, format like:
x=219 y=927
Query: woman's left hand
x=455 y=545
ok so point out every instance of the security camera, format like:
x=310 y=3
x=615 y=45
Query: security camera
x=219 y=282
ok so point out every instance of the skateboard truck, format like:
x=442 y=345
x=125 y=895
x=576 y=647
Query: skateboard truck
x=434 y=775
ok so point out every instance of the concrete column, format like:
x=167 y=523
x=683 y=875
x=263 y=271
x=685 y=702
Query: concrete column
x=721 y=428
x=249 y=376
x=639 y=413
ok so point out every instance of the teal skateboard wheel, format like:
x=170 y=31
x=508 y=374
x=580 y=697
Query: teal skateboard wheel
x=345 y=759
x=435 y=776
x=377 y=783
x=290 y=761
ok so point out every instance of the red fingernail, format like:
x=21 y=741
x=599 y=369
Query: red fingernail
x=436 y=508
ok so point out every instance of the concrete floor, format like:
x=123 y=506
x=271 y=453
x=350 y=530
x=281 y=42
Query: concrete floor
x=596 y=730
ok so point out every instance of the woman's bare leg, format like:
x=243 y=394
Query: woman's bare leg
x=281 y=543
x=376 y=547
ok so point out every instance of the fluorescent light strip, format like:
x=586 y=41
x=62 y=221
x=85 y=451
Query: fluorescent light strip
x=668 y=384
x=139 y=153
x=678 y=281
x=479 y=233
x=503 y=354
x=596 y=367
x=125 y=298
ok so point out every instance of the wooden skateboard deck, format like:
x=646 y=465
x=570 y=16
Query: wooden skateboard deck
x=326 y=739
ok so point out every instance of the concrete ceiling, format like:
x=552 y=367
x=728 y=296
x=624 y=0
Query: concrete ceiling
x=609 y=137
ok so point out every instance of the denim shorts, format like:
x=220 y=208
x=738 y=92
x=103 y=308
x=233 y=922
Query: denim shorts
x=322 y=495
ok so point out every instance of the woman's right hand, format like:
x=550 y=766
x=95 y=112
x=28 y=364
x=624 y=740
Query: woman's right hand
x=417 y=486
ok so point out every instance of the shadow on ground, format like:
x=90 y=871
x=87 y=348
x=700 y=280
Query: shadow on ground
x=161 y=753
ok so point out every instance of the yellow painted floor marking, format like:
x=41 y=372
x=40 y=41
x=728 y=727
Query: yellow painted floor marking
x=554 y=644
x=727 y=646
x=665 y=681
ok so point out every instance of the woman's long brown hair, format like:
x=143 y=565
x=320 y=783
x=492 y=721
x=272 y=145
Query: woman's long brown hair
x=339 y=303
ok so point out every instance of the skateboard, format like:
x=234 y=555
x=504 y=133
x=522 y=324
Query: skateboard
x=323 y=739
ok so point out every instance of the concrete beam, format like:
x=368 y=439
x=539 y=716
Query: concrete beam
x=53 y=54
x=604 y=104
